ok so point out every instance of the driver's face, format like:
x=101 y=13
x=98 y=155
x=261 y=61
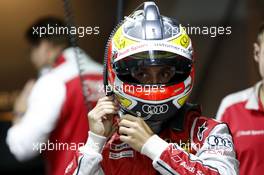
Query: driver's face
x=153 y=74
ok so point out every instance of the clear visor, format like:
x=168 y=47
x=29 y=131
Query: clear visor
x=153 y=67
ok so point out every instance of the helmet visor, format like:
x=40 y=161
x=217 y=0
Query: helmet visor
x=153 y=67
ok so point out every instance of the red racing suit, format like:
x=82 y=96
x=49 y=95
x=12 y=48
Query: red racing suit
x=197 y=146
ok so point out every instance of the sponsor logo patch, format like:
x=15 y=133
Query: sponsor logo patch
x=219 y=141
x=118 y=147
x=122 y=154
x=201 y=130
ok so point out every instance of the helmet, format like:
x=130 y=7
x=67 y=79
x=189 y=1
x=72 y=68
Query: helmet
x=145 y=39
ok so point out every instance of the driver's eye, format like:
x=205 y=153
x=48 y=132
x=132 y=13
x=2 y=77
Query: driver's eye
x=141 y=75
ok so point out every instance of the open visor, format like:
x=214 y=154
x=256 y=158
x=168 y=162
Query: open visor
x=153 y=67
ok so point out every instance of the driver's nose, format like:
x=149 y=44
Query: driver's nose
x=154 y=78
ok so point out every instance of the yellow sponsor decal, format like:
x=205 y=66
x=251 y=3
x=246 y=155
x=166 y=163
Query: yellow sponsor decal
x=121 y=41
x=183 y=40
x=124 y=102
x=182 y=100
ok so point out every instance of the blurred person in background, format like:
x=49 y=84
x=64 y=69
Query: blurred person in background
x=54 y=119
x=42 y=65
x=243 y=111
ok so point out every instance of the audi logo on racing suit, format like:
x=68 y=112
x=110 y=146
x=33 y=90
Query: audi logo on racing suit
x=155 y=109
x=219 y=141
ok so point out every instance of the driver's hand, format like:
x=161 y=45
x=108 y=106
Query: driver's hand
x=101 y=116
x=134 y=131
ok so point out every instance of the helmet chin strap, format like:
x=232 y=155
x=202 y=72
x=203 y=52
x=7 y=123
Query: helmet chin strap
x=147 y=117
x=123 y=111
x=155 y=126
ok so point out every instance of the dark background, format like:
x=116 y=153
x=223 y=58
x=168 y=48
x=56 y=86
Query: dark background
x=224 y=64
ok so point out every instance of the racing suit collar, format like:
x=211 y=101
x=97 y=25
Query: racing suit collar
x=177 y=123
x=253 y=102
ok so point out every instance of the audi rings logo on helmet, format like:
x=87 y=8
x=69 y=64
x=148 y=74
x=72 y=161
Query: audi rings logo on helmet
x=155 y=109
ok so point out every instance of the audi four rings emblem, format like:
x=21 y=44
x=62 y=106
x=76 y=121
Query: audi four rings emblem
x=155 y=109
x=219 y=141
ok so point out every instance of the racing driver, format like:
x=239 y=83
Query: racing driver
x=144 y=126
